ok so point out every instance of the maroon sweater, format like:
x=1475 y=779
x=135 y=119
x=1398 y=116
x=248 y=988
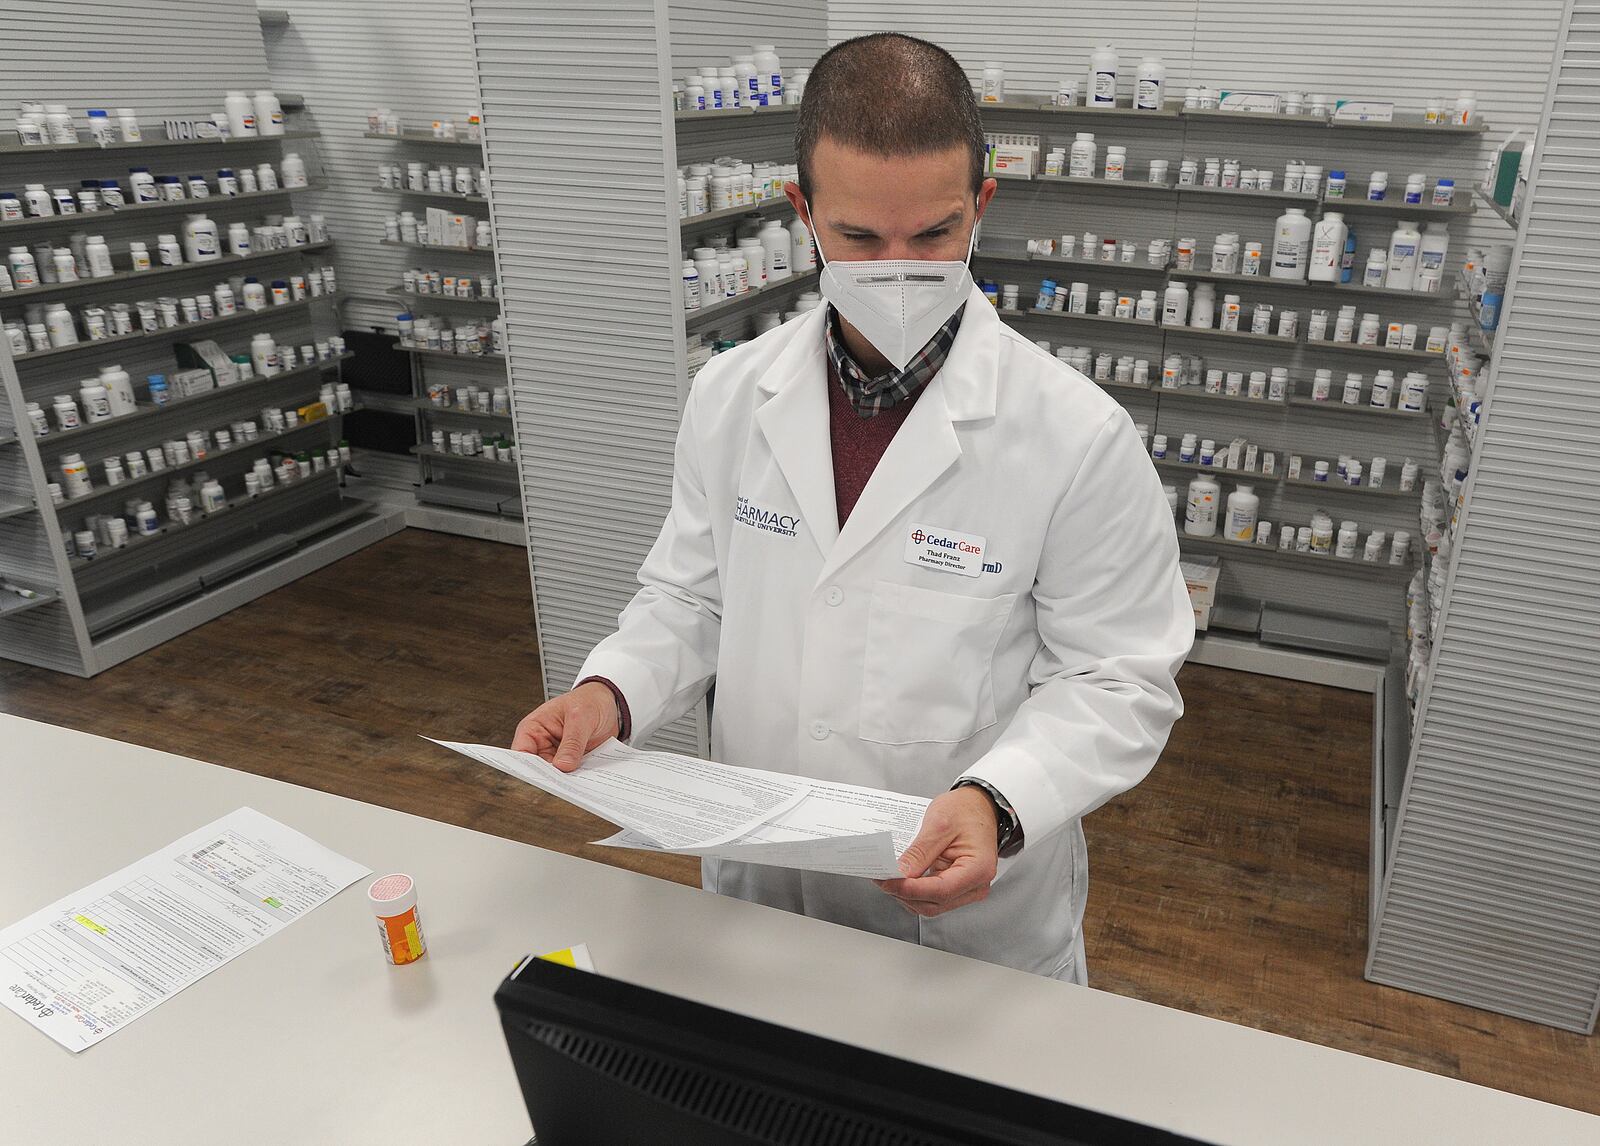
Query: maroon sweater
x=858 y=445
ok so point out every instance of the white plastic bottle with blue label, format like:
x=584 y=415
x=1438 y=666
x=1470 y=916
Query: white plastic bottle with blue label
x=1401 y=270
x=1102 y=90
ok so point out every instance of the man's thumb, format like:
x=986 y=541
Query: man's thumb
x=919 y=854
x=574 y=740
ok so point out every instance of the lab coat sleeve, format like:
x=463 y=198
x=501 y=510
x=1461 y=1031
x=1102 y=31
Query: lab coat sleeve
x=1115 y=625
x=663 y=655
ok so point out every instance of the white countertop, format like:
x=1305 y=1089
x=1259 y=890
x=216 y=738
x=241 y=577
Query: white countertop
x=313 y=1038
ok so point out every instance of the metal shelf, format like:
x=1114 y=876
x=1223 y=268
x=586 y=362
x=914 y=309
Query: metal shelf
x=11 y=604
x=1142 y=323
x=59 y=352
x=1058 y=261
x=1420 y=211
x=442 y=196
x=1506 y=215
x=1410 y=125
x=437 y=248
x=85 y=219
x=428 y=407
x=14 y=508
x=147 y=411
x=470 y=459
x=423 y=137
x=451 y=355
x=1307 y=285
x=1331 y=486
x=1199 y=393
x=794 y=284
x=13 y=148
x=1104 y=184
x=1402 y=125
x=446 y=299
x=1235 y=335
x=712 y=116
x=1381 y=569
x=273 y=17
x=49 y=290
x=1230 y=116
x=1276 y=195
x=776 y=205
x=1377 y=351
x=1081 y=111
x=1330 y=407
x=122 y=488
x=140 y=543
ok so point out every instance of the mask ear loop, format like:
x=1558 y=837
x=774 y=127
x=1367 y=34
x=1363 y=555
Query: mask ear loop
x=816 y=242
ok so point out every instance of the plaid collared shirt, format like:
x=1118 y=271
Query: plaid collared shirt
x=870 y=396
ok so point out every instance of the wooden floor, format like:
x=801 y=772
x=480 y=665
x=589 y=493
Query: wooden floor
x=1232 y=883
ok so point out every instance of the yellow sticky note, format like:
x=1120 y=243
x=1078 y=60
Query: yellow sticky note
x=576 y=957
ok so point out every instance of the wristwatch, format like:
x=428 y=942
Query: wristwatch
x=1008 y=829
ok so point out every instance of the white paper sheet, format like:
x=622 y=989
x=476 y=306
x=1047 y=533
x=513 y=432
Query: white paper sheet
x=670 y=803
x=92 y=962
x=843 y=829
x=676 y=801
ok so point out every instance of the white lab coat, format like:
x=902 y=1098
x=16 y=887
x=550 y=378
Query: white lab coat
x=1049 y=675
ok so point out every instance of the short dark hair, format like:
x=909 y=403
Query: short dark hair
x=890 y=94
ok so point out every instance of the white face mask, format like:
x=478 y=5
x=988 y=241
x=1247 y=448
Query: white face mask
x=898 y=305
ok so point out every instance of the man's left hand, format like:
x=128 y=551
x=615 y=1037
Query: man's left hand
x=953 y=860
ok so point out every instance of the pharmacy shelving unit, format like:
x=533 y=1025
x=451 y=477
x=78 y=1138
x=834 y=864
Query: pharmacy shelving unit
x=1049 y=206
x=460 y=483
x=83 y=616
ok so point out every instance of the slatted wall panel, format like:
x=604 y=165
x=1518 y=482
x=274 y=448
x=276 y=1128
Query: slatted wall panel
x=706 y=32
x=592 y=300
x=345 y=59
x=174 y=58
x=1493 y=897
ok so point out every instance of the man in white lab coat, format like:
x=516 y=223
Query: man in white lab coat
x=912 y=550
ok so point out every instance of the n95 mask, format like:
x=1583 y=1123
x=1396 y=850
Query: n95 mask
x=898 y=305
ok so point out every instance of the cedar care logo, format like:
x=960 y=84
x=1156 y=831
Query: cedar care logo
x=958 y=545
x=770 y=520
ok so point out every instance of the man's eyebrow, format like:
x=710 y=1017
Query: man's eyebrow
x=949 y=220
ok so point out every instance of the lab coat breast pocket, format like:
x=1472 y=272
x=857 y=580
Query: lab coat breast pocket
x=928 y=669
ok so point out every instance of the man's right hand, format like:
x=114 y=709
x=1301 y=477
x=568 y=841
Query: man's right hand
x=563 y=729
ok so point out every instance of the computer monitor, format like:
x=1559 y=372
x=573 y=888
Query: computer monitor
x=602 y=1061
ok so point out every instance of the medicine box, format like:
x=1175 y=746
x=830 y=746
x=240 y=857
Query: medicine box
x=1266 y=103
x=188 y=383
x=208 y=355
x=1200 y=574
x=1363 y=111
x=447 y=229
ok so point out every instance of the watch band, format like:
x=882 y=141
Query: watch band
x=1008 y=829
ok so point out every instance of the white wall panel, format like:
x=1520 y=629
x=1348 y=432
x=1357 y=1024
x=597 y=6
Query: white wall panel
x=591 y=300
x=1495 y=875
x=707 y=32
x=173 y=58
x=346 y=58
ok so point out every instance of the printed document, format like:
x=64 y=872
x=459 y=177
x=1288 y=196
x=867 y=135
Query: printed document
x=670 y=803
x=92 y=962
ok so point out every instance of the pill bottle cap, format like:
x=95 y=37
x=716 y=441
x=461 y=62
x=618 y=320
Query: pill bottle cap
x=391 y=895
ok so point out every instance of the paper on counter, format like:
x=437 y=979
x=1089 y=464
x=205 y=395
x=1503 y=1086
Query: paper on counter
x=676 y=801
x=92 y=962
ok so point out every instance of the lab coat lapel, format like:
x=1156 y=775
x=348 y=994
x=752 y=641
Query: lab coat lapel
x=794 y=422
x=926 y=444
